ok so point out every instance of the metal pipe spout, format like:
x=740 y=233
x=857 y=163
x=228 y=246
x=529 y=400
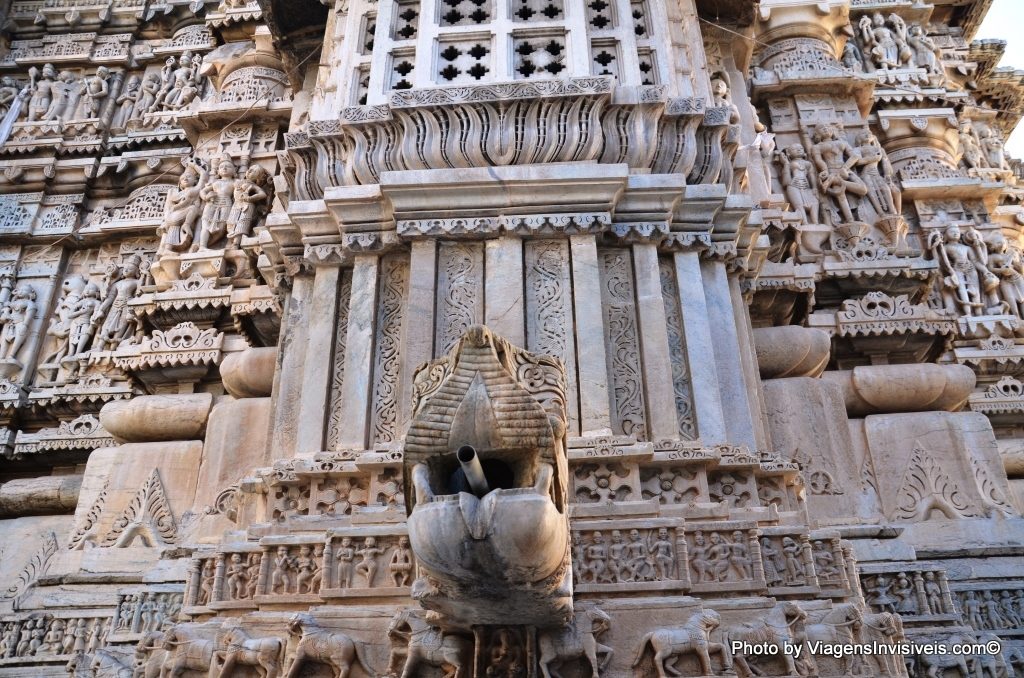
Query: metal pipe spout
x=470 y=462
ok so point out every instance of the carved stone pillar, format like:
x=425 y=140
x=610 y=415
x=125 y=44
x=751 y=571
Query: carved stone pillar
x=595 y=411
x=418 y=343
x=218 y=579
x=288 y=387
x=316 y=376
x=504 y=307
x=662 y=420
x=739 y=423
x=707 y=400
x=359 y=353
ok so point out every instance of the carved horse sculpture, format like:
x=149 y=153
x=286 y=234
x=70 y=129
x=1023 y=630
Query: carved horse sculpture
x=576 y=641
x=266 y=655
x=106 y=665
x=841 y=625
x=185 y=652
x=935 y=665
x=426 y=644
x=776 y=628
x=886 y=628
x=320 y=645
x=150 y=656
x=693 y=637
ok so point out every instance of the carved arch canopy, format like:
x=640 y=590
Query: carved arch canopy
x=506 y=402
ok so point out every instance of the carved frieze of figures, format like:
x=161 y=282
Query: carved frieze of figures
x=982 y=151
x=46 y=636
x=992 y=609
x=620 y=556
x=145 y=612
x=909 y=592
x=728 y=557
x=291 y=570
x=213 y=210
x=885 y=42
x=370 y=562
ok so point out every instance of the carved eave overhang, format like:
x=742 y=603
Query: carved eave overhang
x=986 y=54
x=1002 y=402
x=256 y=313
x=82 y=434
x=184 y=353
x=222 y=16
x=88 y=395
x=133 y=168
x=1003 y=90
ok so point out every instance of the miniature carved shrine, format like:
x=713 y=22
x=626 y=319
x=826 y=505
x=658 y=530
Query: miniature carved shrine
x=509 y=339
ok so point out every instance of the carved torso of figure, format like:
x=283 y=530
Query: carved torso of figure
x=880 y=597
x=964 y=269
x=63 y=92
x=798 y=182
x=1007 y=264
x=638 y=556
x=345 y=556
x=773 y=566
x=835 y=158
x=824 y=561
x=237 y=575
x=794 y=568
x=8 y=93
x=147 y=97
x=401 y=563
x=616 y=557
x=992 y=146
x=664 y=555
x=718 y=556
x=904 y=592
x=368 y=565
x=740 y=558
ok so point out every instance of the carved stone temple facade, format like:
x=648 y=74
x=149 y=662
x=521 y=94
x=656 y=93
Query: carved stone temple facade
x=508 y=338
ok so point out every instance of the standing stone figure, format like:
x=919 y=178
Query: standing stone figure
x=247 y=197
x=94 y=92
x=835 y=159
x=1007 y=264
x=113 y=317
x=17 y=320
x=218 y=198
x=182 y=209
x=42 y=87
x=126 y=102
x=926 y=54
x=964 y=270
x=798 y=183
x=887 y=46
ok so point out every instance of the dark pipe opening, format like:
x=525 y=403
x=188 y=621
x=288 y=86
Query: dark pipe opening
x=499 y=475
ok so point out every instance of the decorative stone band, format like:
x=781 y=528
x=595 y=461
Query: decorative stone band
x=543 y=122
x=82 y=434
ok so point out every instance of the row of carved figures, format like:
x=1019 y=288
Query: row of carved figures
x=368 y=563
x=52 y=96
x=47 y=636
x=885 y=43
x=993 y=610
x=205 y=212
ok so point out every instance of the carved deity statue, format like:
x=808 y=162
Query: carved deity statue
x=852 y=57
x=180 y=82
x=774 y=565
x=877 y=174
x=126 y=102
x=112 y=317
x=237 y=577
x=886 y=41
x=182 y=209
x=835 y=159
x=9 y=91
x=17 y=318
x=368 y=564
x=218 y=199
x=306 y=568
x=60 y=321
x=926 y=53
x=64 y=90
x=94 y=92
x=798 y=182
x=824 y=561
x=41 y=85
x=147 y=97
x=970 y=147
x=994 y=153
x=933 y=594
x=793 y=554
x=345 y=555
x=962 y=262
x=400 y=566
x=248 y=195
x=281 y=576
x=1007 y=263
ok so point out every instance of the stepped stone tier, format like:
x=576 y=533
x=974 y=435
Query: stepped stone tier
x=509 y=339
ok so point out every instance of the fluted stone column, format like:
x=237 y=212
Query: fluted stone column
x=595 y=408
x=316 y=375
x=662 y=419
x=700 y=345
x=362 y=313
x=418 y=327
